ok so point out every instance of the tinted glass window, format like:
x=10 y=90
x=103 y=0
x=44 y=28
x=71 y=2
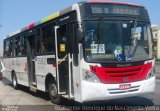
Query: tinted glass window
x=113 y=41
x=46 y=40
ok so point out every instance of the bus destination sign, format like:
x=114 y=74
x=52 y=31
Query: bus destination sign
x=115 y=10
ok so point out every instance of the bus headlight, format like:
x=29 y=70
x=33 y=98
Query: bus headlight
x=151 y=73
x=90 y=77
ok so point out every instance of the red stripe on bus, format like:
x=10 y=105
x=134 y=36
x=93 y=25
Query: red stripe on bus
x=54 y=65
x=31 y=26
x=121 y=75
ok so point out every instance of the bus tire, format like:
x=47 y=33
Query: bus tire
x=14 y=81
x=53 y=92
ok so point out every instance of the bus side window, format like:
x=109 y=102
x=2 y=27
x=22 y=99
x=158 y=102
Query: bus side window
x=46 y=44
x=22 y=45
x=17 y=40
x=7 y=48
x=14 y=47
x=10 y=48
x=42 y=48
x=38 y=41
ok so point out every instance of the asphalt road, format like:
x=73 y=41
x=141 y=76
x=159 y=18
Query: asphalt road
x=24 y=100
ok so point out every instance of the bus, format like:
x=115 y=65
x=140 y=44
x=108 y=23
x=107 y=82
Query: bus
x=92 y=50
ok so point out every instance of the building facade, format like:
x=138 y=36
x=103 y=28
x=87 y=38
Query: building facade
x=156 y=40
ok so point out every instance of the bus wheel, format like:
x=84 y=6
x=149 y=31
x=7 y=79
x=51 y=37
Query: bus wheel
x=53 y=93
x=14 y=81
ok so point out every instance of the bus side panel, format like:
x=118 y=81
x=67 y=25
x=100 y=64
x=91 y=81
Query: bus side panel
x=7 y=72
x=44 y=66
x=19 y=66
x=21 y=69
x=77 y=76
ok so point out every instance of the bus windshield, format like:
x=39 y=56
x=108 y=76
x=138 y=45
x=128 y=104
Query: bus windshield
x=117 y=41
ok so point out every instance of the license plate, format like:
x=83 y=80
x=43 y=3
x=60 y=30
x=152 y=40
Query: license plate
x=124 y=86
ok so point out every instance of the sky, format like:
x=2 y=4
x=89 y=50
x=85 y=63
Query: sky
x=17 y=14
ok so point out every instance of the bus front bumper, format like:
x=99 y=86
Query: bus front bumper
x=99 y=91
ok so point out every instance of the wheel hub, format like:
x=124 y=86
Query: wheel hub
x=53 y=90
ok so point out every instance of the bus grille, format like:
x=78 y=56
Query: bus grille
x=118 y=91
x=122 y=74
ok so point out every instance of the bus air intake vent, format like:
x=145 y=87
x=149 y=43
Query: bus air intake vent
x=124 y=72
x=119 y=91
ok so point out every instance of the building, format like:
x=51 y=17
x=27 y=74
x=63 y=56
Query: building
x=156 y=40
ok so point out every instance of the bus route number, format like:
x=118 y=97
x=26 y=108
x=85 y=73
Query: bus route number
x=97 y=48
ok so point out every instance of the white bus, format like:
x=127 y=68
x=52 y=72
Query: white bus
x=93 y=50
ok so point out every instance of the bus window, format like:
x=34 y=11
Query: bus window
x=18 y=46
x=38 y=37
x=7 y=48
x=47 y=45
x=11 y=48
x=15 y=47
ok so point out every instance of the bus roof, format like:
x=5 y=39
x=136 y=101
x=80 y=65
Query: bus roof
x=64 y=11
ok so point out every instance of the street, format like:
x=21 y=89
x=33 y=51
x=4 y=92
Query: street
x=24 y=100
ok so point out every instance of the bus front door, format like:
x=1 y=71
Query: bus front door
x=62 y=59
x=31 y=62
